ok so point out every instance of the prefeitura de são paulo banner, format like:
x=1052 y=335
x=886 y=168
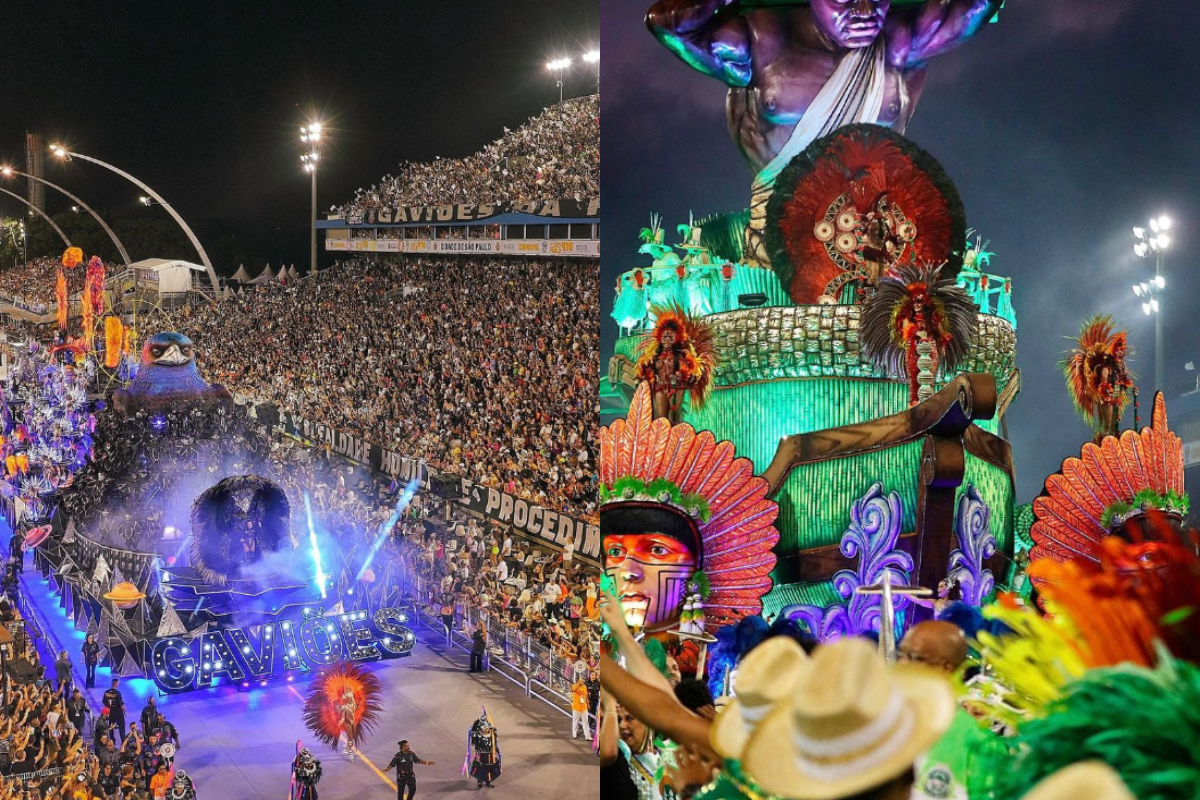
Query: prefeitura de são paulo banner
x=528 y=519
x=589 y=248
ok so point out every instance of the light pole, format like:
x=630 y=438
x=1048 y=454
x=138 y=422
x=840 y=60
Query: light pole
x=40 y=213
x=8 y=172
x=559 y=67
x=593 y=57
x=1153 y=243
x=62 y=153
x=311 y=135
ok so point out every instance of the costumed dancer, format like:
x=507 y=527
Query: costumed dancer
x=483 y=751
x=677 y=356
x=916 y=321
x=1098 y=380
x=181 y=787
x=306 y=774
x=343 y=700
x=681 y=518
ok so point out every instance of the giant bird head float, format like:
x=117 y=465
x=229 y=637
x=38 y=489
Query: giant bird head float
x=168 y=379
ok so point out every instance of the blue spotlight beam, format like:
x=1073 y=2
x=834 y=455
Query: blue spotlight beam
x=385 y=530
x=312 y=540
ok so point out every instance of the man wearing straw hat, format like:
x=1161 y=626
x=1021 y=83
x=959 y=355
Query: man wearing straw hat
x=853 y=729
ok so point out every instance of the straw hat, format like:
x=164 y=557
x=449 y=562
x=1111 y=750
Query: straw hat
x=766 y=676
x=854 y=723
x=1087 y=780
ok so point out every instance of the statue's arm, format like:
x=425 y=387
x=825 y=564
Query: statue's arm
x=705 y=36
x=942 y=25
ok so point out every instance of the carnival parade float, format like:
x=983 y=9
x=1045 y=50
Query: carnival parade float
x=161 y=516
x=815 y=444
x=859 y=354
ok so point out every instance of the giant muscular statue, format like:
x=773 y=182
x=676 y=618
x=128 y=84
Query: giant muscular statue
x=799 y=70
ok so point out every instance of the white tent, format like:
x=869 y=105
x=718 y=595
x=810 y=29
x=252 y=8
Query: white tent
x=266 y=277
x=295 y=273
x=241 y=275
x=172 y=275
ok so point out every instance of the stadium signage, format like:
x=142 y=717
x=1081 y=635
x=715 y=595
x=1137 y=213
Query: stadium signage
x=517 y=247
x=527 y=519
x=474 y=212
x=533 y=521
x=261 y=652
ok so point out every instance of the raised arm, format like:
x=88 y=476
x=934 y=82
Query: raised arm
x=942 y=25
x=708 y=37
x=658 y=709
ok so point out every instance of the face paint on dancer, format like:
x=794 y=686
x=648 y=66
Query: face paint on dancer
x=650 y=572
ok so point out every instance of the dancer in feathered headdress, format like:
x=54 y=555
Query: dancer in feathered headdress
x=916 y=314
x=677 y=356
x=680 y=515
x=1097 y=379
x=483 y=751
x=1130 y=485
x=343 y=699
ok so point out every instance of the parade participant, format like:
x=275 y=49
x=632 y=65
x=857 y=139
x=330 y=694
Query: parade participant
x=406 y=778
x=347 y=708
x=91 y=658
x=114 y=701
x=306 y=774
x=674 y=506
x=483 y=761
x=677 y=356
x=343 y=701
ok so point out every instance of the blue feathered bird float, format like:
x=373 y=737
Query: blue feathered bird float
x=168 y=380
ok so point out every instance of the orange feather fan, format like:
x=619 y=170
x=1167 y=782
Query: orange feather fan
x=322 y=707
x=113 y=334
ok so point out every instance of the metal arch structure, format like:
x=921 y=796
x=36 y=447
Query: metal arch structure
x=43 y=215
x=62 y=152
x=111 y=233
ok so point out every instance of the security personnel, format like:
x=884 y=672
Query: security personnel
x=405 y=776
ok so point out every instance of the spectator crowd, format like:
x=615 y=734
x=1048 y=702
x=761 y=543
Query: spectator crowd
x=555 y=155
x=51 y=743
x=485 y=368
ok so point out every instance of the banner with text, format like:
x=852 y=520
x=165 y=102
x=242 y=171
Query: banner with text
x=533 y=521
x=527 y=519
x=566 y=248
x=477 y=212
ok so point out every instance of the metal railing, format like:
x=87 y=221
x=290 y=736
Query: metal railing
x=539 y=671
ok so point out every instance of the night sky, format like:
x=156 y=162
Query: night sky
x=204 y=101
x=1063 y=126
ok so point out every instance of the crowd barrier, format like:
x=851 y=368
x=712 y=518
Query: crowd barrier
x=537 y=670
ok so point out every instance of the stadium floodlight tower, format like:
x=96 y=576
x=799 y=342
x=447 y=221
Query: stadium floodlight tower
x=311 y=135
x=559 y=67
x=63 y=154
x=8 y=172
x=593 y=57
x=1152 y=244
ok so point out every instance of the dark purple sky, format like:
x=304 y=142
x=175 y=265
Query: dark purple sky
x=1063 y=126
x=203 y=101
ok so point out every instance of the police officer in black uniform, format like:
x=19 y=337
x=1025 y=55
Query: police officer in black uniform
x=405 y=776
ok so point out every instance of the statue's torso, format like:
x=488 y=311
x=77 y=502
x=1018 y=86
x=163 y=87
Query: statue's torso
x=791 y=63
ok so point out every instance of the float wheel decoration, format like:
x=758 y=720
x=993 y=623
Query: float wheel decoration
x=855 y=204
